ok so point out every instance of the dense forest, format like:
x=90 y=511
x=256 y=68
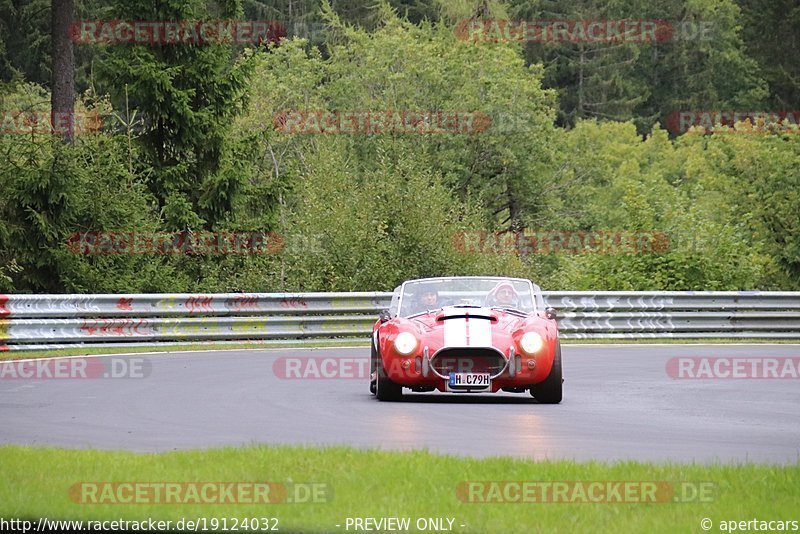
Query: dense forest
x=372 y=142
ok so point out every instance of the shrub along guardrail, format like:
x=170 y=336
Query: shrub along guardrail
x=31 y=322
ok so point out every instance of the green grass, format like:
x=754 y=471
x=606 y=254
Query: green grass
x=370 y=483
x=81 y=351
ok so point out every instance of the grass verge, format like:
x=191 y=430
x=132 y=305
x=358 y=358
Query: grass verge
x=88 y=350
x=370 y=483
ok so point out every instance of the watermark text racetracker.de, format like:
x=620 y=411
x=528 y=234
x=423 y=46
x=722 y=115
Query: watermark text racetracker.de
x=175 y=243
x=562 y=242
x=583 y=31
x=199 y=492
x=405 y=122
x=584 y=491
x=335 y=368
x=321 y=367
x=75 y=368
x=27 y=122
x=734 y=367
x=733 y=121
x=379 y=122
x=176 y=32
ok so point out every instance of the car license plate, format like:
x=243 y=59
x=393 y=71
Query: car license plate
x=470 y=380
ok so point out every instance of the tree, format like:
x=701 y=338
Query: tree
x=684 y=202
x=697 y=61
x=504 y=165
x=769 y=29
x=378 y=207
x=25 y=29
x=594 y=78
x=189 y=95
x=703 y=65
x=63 y=82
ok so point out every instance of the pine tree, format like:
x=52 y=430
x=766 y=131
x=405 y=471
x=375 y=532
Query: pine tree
x=188 y=95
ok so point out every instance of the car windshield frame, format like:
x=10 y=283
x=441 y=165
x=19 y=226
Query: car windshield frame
x=537 y=302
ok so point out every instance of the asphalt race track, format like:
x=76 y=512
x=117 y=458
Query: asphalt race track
x=619 y=403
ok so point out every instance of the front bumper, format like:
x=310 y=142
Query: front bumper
x=506 y=370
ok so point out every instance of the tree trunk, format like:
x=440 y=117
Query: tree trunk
x=62 y=100
x=580 y=84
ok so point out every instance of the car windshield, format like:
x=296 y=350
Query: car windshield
x=419 y=296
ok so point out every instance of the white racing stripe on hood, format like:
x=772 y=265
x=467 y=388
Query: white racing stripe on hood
x=455 y=333
x=480 y=332
x=471 y=332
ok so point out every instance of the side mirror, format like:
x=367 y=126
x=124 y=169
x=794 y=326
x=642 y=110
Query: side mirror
x=550 y=313
x=384 y=316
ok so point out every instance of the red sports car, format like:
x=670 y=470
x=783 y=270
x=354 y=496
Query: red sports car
x=467 y=335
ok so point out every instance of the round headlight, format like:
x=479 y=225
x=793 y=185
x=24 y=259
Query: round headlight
x=405 y=343
x=531 y=343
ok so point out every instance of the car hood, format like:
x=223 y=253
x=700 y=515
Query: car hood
x=467 y=326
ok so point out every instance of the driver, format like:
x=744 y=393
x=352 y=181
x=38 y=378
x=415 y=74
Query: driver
x=504 y=295
x=428 y=300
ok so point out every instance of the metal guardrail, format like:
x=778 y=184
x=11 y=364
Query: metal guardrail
x=31 y=322
x=677 y=314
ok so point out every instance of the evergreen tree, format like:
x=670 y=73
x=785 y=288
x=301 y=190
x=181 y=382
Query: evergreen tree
x=188 y=95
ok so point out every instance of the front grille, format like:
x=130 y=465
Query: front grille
x=468 y=360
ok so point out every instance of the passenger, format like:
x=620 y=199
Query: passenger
x=503 y=295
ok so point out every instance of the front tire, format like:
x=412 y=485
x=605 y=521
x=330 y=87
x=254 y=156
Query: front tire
x=386 y=389
x=373 y=369
x=549 y=391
